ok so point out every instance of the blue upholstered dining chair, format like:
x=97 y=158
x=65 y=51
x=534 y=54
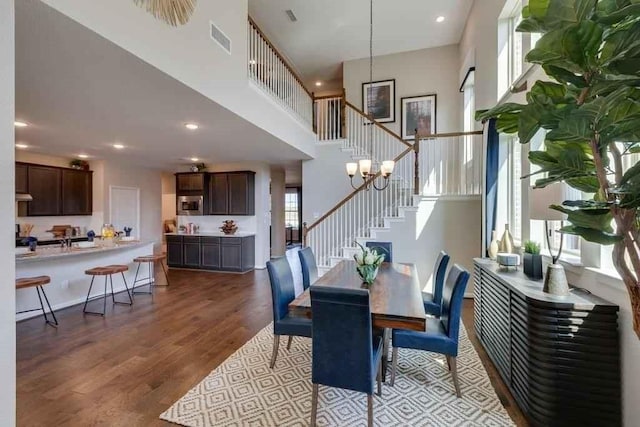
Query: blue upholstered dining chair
x=309 y=267
x=345 y=353
x=282 y=293
x=433 y=302
x=441 y=334
x=382 y=248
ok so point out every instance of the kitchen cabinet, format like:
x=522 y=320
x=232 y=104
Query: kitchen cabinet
x=191 y=251
x=211 y=253
x=56 y=191
x=45 y=187
x=21 y=178
x=77 y=192
x=190 y=182
x=232 y=193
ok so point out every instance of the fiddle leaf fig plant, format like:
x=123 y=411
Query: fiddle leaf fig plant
x=590 y=112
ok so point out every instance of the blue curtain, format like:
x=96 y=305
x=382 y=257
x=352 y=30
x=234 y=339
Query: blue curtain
x=491 y=195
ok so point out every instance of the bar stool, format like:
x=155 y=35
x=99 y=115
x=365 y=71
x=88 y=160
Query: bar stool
x=38 y=282
x=108 y=273
x=151 y=279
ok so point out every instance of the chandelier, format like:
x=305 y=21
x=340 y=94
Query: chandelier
x=365 y=165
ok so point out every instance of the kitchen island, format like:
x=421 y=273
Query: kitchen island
x=66 y=267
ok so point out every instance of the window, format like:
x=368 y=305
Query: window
x=514 y=207
x=292 y=208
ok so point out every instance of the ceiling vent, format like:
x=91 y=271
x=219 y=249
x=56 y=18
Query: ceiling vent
x=220 y=37
x=291 y=15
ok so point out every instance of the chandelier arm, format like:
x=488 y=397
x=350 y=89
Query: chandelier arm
x=386 y=184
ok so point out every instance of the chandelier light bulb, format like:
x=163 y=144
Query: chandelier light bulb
x=352 y=168
x=365 y=167
x=387 y=167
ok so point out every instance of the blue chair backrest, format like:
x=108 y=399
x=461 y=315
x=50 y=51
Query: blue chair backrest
x=452 y=297
x=282 y=288
x=342 y=338
x=439 y=272
x=309 y=267
x=382 y=248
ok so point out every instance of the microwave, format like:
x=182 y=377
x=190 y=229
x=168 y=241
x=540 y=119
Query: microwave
x=190 y=205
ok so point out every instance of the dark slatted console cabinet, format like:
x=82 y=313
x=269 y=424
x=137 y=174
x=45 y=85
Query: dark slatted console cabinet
x=559 y=356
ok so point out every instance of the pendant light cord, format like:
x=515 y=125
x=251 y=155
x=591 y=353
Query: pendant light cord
x=371 y=76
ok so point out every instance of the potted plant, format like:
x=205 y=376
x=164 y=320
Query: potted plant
x=79 y=164
x=590 y=112
x=368 y=261
x=532 y=260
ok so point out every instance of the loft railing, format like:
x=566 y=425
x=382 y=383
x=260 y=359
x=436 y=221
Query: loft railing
x=271 y=71
x=329 y=117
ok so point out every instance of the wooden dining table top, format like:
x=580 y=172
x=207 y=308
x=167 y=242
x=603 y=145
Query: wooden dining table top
x=396 y=298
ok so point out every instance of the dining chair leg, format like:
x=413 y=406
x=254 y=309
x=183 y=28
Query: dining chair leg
x=449 y=363
x=379 y=377
x=314 y=405
x=289 y=342
x=369 y=410
x=276 y=344
x=166 y=274
x=454 y=374
x=394 y=361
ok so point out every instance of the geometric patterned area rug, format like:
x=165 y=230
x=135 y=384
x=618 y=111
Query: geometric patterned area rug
x=243 y=391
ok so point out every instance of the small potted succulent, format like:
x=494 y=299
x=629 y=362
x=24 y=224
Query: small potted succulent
x=532 y=260
x=368 y=260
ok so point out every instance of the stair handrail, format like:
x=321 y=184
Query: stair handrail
x=306 y=229
x=377 y=124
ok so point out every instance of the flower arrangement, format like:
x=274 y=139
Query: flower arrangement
x=531 y=247
x=229 y=227
x=368 y=261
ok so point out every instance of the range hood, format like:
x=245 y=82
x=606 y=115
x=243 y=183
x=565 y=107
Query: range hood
x=23 y=197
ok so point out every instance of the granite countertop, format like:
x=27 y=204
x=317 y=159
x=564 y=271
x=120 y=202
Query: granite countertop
x=47 y=253
x=211 y=234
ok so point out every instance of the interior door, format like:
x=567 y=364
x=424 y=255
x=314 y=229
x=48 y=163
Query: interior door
x=124 y=208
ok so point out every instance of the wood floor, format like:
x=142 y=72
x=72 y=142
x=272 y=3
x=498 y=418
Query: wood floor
x=127 y=368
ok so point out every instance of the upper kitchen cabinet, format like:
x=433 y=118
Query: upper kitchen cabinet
x=190 y=183
x=21 y=178
x=45 y=187
x=232 y=193
x=77 y=192
x=55 y=191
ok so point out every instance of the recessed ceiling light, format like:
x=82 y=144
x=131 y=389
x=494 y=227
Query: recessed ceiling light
x=318 y=83
x=21 y=145
x=252 y=62
x=440 y=19
x=20 y=124
x=118 y=146
x=83 y=156
x=191 y=126
x=194 y=159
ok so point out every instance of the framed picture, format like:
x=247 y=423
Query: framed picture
x=379 y=100
x=418 y=112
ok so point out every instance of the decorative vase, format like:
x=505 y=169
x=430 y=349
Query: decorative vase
x=368 y=273
x=555 y=282
x=532 y=265
x=494 y=246
x=506 y=242
x=33 y=244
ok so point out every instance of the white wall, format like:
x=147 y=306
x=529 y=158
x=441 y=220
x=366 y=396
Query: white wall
x=7 y=190
x=419 y=72
x=278 y=238
x=188 y=54
x=325 y=181
x=168 y=196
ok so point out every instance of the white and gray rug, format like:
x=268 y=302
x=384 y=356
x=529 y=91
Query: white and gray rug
x=243 y=391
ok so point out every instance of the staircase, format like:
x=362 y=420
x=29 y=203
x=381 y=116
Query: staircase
x=443 y=167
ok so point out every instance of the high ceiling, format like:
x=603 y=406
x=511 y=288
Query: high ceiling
x=329 y=32
x=81 y=93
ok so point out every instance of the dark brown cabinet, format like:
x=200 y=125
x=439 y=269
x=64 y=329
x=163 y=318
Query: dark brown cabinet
x=211 y=253
x=188 y=183
x=56 y=191
x=21 y=178
x=232 y=193
x=77 y=192
x=45 y=187
x=218 y=190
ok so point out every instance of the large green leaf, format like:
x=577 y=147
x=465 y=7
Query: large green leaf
x=620 y=14
x=564 y=76
x=507 y=107
x=591 y=235
x=586 y=184
x=596 y=219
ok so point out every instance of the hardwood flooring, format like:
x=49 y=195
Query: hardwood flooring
x=128 y=367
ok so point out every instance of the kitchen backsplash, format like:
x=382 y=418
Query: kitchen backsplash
x=43 y=223
x=211 y=223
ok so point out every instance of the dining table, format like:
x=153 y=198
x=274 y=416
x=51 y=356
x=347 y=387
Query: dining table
x=396 y=297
